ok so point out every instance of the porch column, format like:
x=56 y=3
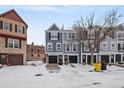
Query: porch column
x=114 y=58
x=121 y=58
x=109 y=58
x=86 y=58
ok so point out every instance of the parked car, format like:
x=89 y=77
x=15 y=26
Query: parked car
x=0 y=65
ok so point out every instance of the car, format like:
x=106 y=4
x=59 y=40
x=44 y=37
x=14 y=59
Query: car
x=0 y=65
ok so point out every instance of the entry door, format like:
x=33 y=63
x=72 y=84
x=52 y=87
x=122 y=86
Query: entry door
x=2 y=59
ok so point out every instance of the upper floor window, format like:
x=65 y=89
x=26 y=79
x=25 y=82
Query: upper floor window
x=54 y=36
x=7 y=26
x=58 y=46
x=86 y=49
x=104 y=45
x=120 y=35
x=121 y=46
x=113 y=46
x=49 y=46
x=71 y=35
x=74 y=49
x=68 y=49
x=19 y=29
x=13 y=43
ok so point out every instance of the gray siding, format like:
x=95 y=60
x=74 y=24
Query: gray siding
x=53 y=42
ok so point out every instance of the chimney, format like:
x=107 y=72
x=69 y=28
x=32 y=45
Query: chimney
x=32 y=43
x=62 y=27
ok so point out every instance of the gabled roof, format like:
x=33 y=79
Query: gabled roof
x=12 y=14
x=54 y=27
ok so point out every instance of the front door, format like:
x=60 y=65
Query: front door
x=2 y=59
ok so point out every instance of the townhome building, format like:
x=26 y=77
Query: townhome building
x=13 y=38
x=62 y=46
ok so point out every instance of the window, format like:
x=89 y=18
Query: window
x=68 y=48
x=19 y=29
x=54 y=36
x=121 y=46
x=113 y=46
x=74 y=49
x=13 y=43
x=71 y=36
x=104 y=45
x=120 y=35
x=6 y=26
x=49 y=46
x=38 y=55
x=58 y=46
x=38 y=50
x=31 y=55
x=86 y=49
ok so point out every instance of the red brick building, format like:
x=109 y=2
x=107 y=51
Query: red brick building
x=35 y=52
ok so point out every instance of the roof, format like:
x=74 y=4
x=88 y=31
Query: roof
x=13 y=15
x=54 y=27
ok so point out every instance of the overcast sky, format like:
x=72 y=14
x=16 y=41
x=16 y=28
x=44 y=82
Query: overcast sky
x=40 y=18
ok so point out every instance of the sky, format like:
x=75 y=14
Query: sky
x=40 y=17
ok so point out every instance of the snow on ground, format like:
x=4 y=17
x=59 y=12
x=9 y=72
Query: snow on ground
x=67 y=77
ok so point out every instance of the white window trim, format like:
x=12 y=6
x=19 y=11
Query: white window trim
x=86 y=49
x=68 y=36
x=73 y=47
x=105 y=47
x=54 y=34
x=66 y=47
x=118 y=35
x=19 y=27
x=57 y=47
x=112 y=47
x=48 y=47
x=13 y=43
x=4 y=24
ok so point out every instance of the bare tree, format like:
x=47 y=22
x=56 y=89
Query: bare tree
x=90 y=33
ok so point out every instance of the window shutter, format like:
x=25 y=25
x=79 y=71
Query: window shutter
x=23 y=30
x=10 y=27
x=118 y=46
x=58 y=36
x=49 y=36
x=15 y=28
x=1 y=24
x=6 y=42
x=20 y=44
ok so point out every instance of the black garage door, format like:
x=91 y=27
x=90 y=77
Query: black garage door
x=52 y=59
x=15 y=59
x=105 y=58
x=72 y=59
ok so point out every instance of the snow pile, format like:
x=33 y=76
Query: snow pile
x=72 y=75
x=35 y=63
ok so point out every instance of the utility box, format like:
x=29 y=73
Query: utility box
x=97 y=66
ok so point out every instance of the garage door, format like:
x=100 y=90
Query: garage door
x=52 y=59
x=15 y=59
x=72 y=59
